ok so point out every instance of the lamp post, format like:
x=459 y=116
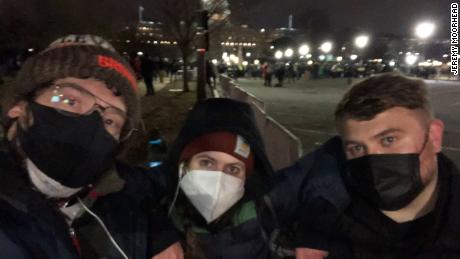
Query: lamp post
x=326 y=47
x=304 y=49
x=424 y=31
x=361 y=41
x=288 y=53
x=201 y=59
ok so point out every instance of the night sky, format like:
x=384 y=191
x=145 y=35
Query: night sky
x=373 y=16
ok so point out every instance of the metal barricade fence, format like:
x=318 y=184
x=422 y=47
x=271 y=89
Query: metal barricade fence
x=283 y=147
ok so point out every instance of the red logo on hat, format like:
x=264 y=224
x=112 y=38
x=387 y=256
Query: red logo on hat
x=109 y=62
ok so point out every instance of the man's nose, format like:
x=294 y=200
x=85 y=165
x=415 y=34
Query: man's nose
x=374 y=150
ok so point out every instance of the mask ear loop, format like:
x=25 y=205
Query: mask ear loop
x=427 y=136
x=179 y=179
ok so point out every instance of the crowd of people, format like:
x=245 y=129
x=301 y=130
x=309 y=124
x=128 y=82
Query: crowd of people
x=382 y=188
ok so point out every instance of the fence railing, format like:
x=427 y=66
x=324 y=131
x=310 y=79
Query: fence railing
x=283 y=147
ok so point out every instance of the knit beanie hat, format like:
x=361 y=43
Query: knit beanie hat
x=79 y=56
x=221 y=141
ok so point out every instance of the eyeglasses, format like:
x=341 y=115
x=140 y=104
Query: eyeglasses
x=72 y=100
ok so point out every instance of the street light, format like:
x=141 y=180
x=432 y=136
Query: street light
x=326 y=47
x=304 y=49
x=339 y=58
x=288 y=53
x=353 y=56
x=361 y=41
x=248 y=54
x=411 y=59
x=424 y=30
x=278 y=54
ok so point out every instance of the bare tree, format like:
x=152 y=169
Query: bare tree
x=181 y=20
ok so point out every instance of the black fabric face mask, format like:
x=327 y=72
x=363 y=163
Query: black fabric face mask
x=388 y=181
x=74 y=151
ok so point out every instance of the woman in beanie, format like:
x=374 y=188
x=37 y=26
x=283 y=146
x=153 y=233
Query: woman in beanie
x=220 y=172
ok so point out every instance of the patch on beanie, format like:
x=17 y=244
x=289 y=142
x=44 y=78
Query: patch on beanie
x=108 y=62
x=242 y=148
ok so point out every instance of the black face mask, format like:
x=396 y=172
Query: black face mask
x=389 y=181
x=74 y=151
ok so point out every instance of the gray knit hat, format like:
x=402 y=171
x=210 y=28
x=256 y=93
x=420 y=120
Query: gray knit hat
x=80 y=56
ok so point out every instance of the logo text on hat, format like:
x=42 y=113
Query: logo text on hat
x=242 y=147
x=109 y=62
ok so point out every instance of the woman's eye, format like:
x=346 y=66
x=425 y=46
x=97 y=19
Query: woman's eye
x=234 y=170
x=206 y=163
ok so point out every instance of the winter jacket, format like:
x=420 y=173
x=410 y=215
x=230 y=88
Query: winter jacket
x=246 y=238
x=31 y=226
x=358 y=230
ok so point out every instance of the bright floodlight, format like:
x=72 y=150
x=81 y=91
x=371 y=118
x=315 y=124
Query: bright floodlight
x=411 y=59
x=248 y=54
x=322 y=57
x=361 y=41
x=353 y=56
x=304 y=49
x=326 y=47
x=339 y=58
x=392 y=63
x=278 y=54
x=214 y=61
x=245 y=63
x=424 y=30
x=288 y=53
x=140 y=53
x=309 y=62
x=256 y=62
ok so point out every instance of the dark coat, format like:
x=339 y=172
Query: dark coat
x=32 y=227
x=343 y=224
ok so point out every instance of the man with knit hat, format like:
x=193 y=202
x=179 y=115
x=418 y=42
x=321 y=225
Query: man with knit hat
x=65 y=118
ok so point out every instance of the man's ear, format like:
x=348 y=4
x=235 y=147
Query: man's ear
x=436 y=134
x=17 y=111
x=19 y=114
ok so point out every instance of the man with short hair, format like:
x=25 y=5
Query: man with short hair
x=403 y=199
x=65 y=117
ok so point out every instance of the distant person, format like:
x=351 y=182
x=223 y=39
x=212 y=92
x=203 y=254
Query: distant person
x=161 y=69
x=267 y=73
x=210 y=74
x=147 y=72
x=135 y=62
x=280 y=73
